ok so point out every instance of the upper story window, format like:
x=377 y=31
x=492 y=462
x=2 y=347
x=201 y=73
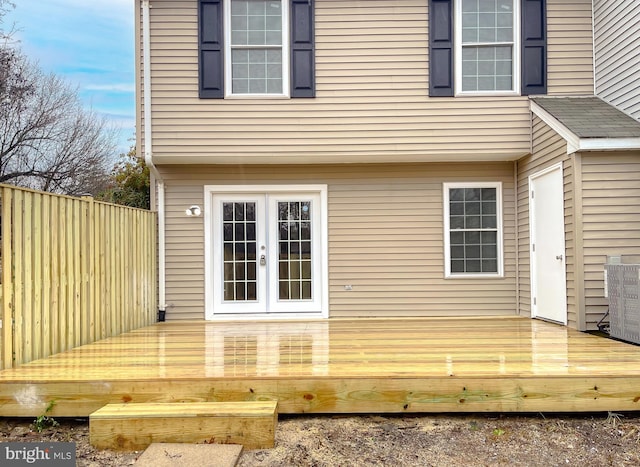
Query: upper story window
x=257 y=48
x=480 y=47
x=487 y=46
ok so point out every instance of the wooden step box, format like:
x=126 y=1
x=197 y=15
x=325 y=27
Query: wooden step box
x=134 y=426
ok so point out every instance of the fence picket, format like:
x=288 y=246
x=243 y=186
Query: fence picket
x=47 y=346
x=78 y=280
x=27 y=280
x=37 y=273
x=18 y=265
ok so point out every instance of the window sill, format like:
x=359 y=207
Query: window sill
x=488 y=94
x=474 y=276
x=256 y=96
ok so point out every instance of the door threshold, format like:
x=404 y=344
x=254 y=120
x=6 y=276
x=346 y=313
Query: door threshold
x=267 y=316
x=550 y=321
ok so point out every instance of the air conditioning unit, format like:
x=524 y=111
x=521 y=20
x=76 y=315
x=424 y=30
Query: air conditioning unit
x=622 y=287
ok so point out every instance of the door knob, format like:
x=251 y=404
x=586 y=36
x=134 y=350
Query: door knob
x=559 y=257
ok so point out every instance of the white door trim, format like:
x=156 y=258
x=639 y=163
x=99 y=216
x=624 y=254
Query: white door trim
x=535 y=312
x=209 y=267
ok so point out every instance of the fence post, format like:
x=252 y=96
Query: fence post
x=87 y=270
x=7 y=280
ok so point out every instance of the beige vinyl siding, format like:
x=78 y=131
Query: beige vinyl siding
x=617 y=53
x=570 y=47
x=548 y=149
x=372 y=101
x=184 y=244
x=573 y=264
x=385 y=237
x=611 y=218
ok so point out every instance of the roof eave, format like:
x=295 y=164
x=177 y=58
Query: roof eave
x=577 y=144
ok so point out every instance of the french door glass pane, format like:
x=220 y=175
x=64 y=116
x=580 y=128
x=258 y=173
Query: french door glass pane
x=294 y=250
x=239 y=245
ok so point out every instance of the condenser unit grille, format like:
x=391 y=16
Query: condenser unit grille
x=623 y=286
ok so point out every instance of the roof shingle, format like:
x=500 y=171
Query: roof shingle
x=590 y=117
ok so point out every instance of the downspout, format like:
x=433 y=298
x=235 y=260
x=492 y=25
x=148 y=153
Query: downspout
x=517 y=232
x=148 y=154
x=593 y=48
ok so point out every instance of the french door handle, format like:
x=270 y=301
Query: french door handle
x=263 y=260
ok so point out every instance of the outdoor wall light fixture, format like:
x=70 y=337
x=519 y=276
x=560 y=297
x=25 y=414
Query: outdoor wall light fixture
x=193 y=211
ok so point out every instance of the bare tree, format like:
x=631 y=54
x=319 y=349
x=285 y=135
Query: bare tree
x=5 y=5
x=48 y=140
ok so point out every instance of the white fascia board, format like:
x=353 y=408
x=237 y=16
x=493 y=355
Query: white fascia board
x=576 y=144
x=609 y=144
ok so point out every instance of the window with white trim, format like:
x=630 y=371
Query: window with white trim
x=473 y=229
x=257 y=47
x=487 y=46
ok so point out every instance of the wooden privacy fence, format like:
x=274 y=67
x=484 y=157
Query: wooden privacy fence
x=73 y=271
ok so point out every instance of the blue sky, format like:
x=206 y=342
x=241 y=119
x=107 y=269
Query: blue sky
x=91 y=44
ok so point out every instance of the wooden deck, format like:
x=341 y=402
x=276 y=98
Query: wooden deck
x=338 y=366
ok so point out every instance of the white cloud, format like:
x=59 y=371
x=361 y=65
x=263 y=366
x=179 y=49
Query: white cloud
x=110 y=8
x=125 y=88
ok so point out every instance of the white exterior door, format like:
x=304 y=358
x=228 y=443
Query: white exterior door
x=548 y=267
x=265 y=252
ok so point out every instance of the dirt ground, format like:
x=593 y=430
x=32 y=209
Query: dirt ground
x=599 y=439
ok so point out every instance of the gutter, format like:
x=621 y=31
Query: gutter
x=148 y=155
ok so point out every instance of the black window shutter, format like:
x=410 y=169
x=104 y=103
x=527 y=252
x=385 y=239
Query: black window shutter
x=211 y=49
x=534 y=47
x=303 y=81
x=441 y=48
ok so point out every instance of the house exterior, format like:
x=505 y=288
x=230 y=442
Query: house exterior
x=325 y=158
x=617 y=53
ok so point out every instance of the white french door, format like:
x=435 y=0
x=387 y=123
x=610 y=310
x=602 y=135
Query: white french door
x=267 y=253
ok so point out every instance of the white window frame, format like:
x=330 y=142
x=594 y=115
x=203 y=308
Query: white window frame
x=447 y=229
x=517 y=40
x=228 y=76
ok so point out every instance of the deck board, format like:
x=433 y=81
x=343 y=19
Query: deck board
x=338 y=365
